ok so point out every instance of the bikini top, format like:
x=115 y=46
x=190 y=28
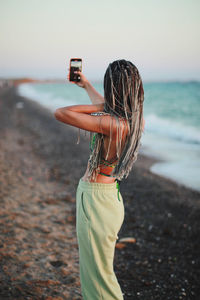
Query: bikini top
x=108 y=163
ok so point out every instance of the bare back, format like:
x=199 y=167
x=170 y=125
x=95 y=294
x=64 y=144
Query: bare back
x=109 y=146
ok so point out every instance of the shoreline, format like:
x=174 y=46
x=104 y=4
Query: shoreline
x=41 y=165
x=164 y=165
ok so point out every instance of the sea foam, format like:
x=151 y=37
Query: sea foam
x=172 y=128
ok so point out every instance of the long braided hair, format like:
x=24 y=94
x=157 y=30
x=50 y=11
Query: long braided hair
x=124 y=97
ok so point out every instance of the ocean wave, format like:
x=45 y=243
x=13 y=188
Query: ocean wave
x=54 y=96
x=172 y=129
x=27 y=90
x=44 y=97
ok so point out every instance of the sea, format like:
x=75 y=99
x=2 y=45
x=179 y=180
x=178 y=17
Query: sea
x=172 y=122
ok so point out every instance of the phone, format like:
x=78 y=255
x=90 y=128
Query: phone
x=75 y=65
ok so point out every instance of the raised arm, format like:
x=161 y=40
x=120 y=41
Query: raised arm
x=79 y=116
x=95 y=97
x=86 y=109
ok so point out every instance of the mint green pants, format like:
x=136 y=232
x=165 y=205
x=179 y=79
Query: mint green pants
x=99 y=217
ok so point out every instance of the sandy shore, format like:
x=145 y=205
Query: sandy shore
x=40 y=165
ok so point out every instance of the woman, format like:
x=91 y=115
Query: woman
x=116 y=122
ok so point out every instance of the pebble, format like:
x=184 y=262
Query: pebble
x=120 y=245
x=127 y=240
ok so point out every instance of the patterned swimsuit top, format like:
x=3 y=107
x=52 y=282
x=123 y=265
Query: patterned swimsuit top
x=111 y=163
x=107 y=163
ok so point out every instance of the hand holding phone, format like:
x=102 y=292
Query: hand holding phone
x=75 y=65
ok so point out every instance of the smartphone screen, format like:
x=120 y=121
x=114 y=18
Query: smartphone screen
x=75 y=65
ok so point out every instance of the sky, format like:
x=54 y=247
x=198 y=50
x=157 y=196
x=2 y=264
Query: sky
x=38 y=38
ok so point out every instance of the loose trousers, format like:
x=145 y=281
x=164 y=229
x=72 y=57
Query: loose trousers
x=99 y=217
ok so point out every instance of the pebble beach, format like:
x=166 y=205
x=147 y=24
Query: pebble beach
x=40 y=166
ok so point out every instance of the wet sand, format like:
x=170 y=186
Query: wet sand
x=40 y=166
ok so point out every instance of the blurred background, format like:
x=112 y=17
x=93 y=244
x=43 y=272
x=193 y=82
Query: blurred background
x=161 y=38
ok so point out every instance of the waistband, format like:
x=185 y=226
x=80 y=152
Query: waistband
x=97 y=185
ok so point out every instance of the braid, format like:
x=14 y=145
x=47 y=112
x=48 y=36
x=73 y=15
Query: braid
x=124 y=96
